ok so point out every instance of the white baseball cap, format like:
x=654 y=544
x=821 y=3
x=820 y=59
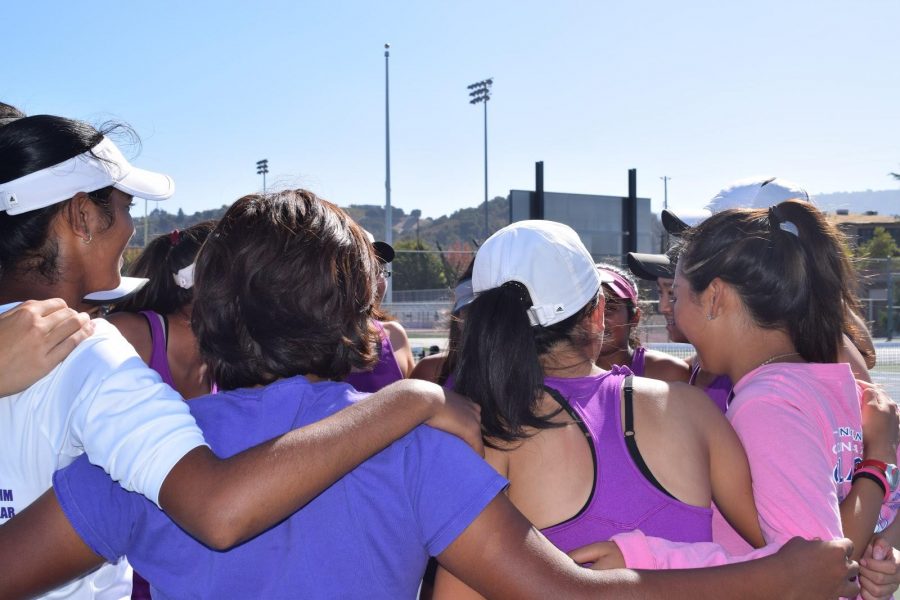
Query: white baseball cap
x=549 y=259
x=102 y=166
x=756 y=192
x=753 y=192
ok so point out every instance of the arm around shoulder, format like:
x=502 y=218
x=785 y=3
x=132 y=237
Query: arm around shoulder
x=217 y=500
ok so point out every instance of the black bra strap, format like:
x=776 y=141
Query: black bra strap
x=564 y=404
x=631 y=443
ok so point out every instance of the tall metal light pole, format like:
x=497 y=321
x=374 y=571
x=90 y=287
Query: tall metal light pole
x=665 y=179
x=262 y=167
x=146 y=225
x=388 y=220
x=480 y=93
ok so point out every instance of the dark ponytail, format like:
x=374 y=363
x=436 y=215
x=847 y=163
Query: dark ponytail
x=163 y=257
x=499 y=366
x=788 y=265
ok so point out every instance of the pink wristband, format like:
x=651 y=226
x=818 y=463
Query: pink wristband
x=877 y=474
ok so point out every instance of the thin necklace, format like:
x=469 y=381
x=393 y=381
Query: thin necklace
x=776 y=357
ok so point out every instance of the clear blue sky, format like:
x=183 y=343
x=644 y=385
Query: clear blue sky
x=704 y=92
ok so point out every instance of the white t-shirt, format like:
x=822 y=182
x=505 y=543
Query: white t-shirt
x=104 y=401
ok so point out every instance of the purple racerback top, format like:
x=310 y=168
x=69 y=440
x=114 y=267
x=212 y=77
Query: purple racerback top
x=385 y=371
x=159 y=360
x=718 y=390
x=622 y=499
x=637 y=361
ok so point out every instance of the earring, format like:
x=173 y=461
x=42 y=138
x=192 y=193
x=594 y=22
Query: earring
x=88 y=239
x=710 y=316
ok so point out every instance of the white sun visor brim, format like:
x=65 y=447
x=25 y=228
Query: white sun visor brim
x=127 y=287
x=102 y=166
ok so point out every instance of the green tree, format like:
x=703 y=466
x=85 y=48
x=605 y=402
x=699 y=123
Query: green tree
x=882 y=245
x=415 y=269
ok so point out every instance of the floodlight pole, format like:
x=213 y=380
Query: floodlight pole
x=262 y=167
x=480 y=93
x=665 y=180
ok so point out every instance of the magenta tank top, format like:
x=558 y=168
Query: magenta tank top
x=718 y=389
x=637 y=361
x=159 y=360
x=385 y=371
x=622 y=499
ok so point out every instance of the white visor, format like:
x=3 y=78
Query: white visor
x=184 y=278
x=127 y=287
x=102 y=166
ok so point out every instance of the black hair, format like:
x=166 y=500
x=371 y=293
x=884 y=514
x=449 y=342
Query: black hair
x=788 y=265
x=499 y=366
x=448 y=366
x=284 y=286
x=163 y=257
x=27 y=145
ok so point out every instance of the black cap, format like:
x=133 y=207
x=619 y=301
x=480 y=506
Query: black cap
x=384 y=251
x=672 y=223
x=651 y=266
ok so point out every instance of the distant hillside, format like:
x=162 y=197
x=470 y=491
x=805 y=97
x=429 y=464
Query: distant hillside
x=462 y=227
x=465 y=226
x=885 y=202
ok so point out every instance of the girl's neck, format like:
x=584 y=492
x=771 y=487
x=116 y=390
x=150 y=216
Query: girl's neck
x=619 y=356
x=566 y=361
x=19 y=289
x=772 y=346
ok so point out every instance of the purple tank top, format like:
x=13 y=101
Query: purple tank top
x=718 y=389
x=622 y=498
x=385 y=371
x=637 y=361
x=159 y=360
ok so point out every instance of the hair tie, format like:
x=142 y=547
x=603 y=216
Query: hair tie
x=784 y=225
x=175 y=237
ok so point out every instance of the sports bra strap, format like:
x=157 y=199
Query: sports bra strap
x=631 y=443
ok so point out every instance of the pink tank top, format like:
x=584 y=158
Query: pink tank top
x=385 y=371
x=623 y=499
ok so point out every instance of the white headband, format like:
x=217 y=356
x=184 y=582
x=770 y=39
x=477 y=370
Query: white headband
x=100 y=167
x=184 y=278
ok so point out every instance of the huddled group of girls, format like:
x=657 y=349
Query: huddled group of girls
x=544 y=454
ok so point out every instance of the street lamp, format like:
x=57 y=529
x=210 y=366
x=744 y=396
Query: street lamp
x=480 y=93
x=262 y=167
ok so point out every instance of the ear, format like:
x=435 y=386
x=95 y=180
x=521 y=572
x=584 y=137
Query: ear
x=714 y=298
x=637 y=316
x=598 y=317
x=78 y=215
